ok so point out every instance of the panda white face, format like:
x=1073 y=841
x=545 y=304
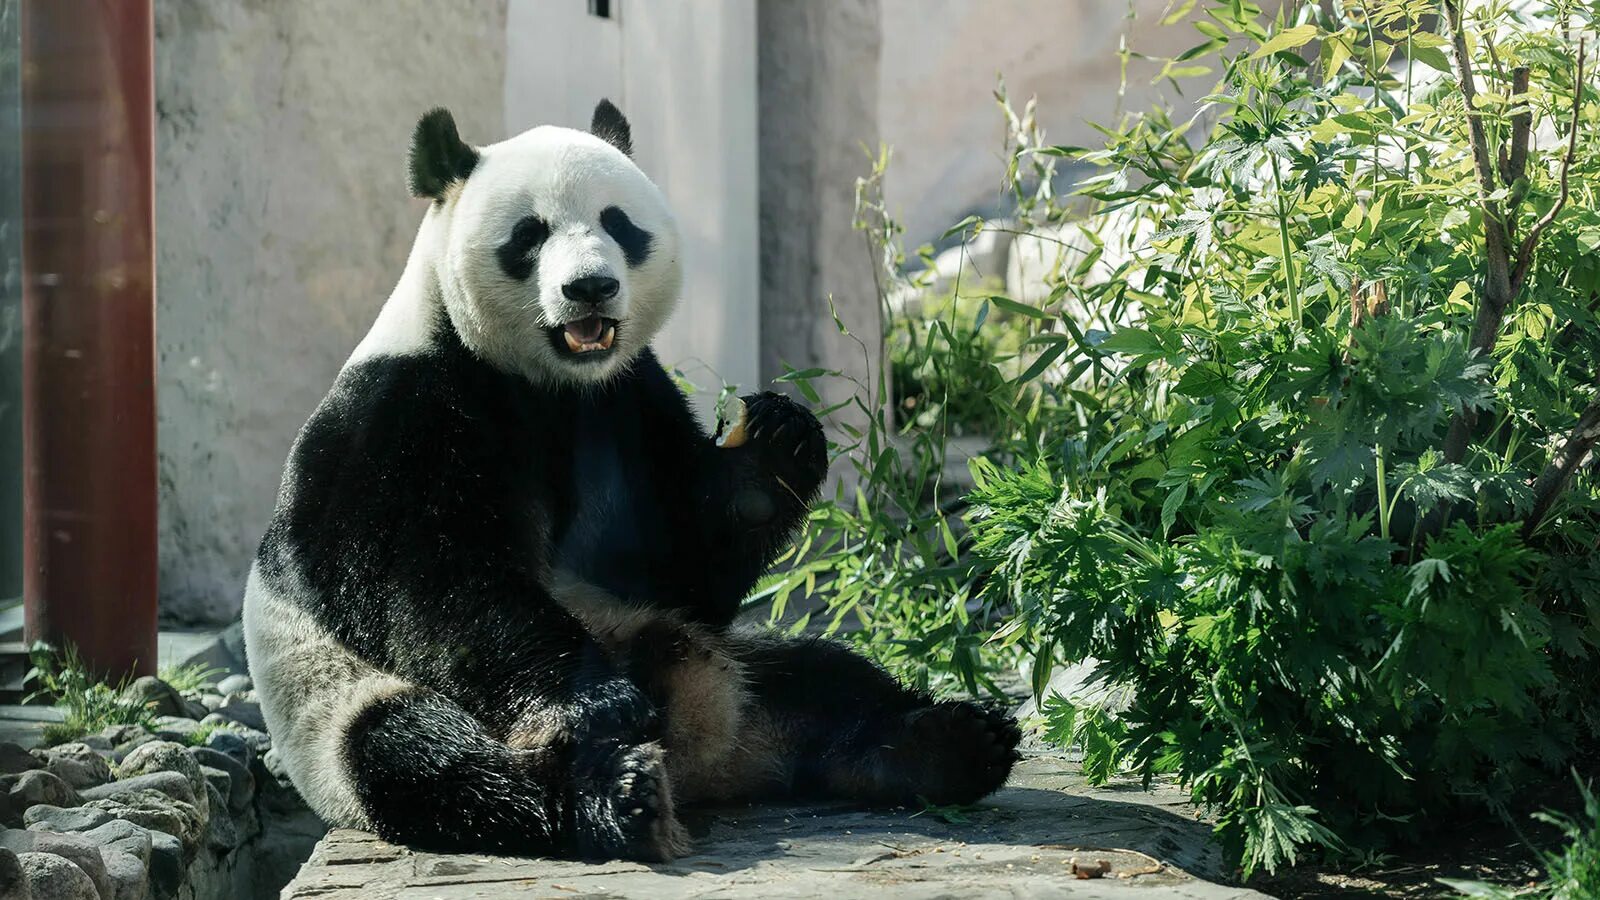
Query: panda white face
x=559 y=256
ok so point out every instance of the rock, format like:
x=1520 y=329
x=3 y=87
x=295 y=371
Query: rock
x=127 y=878
x=176 y=729
x=82 y=852
x=152 y=693
x=221 y=834
x=227 y=741
x=13 y=883
x=122 y=836
x=272 y=761
x=36 y=787
x=980 y=260
x=196 y=710
x=218 y=779
x=275 y=793
x=96 y=742
x=244 y=712
x=174 y=784
x=165 y=756
x=77 y=764
x=77 y=774
x=211 y=701
x=121 y=734
x=14 y=760
x=233 y=684
x=54 y=818
x=258 y=740
x=122 y=751
x=166 y=864
x=240 y=786
x=51 y=877
x=157 y=811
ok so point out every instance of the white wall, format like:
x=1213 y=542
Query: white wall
x=684 y=73
x=939 y=69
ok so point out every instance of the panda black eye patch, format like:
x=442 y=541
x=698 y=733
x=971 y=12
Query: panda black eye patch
x=516 y=254
x=634 y=241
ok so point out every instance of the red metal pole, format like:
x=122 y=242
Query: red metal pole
x=88 y=326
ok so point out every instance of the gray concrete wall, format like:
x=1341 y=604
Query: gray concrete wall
x=940 y=65
x=283 y=221
x=817 y=65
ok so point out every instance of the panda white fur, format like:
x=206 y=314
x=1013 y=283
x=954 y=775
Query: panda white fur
x=493 y=609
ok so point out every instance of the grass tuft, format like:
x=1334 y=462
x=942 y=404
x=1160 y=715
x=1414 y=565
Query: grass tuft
x=90 y=704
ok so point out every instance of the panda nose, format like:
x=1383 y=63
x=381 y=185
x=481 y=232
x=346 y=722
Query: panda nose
x=595 y=290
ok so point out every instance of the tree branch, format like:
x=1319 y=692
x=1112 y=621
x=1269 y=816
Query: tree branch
x=1496 y=294
x=1525 y=252
x=1514 y=167
x=1557 y=475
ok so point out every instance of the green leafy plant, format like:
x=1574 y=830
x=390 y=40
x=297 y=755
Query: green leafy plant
x=1305 y=467
x=89 y=704
x=1322 y=495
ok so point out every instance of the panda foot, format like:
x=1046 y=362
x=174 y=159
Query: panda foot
x=967 y=750
x=626 y=811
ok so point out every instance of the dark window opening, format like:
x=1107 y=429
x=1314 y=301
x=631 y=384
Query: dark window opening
x=600 y=8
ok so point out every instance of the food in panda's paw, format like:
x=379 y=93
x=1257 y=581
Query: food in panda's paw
x=732 y=422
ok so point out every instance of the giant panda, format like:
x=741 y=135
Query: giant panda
x=493 y=610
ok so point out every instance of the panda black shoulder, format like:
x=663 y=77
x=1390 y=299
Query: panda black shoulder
x=392 y=432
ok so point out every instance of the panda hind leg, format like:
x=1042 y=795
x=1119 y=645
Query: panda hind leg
x=825 y=722
x=428 y=774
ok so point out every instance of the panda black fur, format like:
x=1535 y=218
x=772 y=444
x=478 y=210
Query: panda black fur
x=493 y=609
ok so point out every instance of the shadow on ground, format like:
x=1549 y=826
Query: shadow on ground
x=1023 y=842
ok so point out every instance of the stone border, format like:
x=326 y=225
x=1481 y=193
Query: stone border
x=195 y=809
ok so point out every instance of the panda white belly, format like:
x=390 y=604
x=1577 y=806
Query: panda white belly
x=311 y=688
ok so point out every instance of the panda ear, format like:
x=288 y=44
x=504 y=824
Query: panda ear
x=439 y=157
x=611 y=126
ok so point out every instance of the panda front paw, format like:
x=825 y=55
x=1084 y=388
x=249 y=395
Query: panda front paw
x=613 y=710
x=788 y=443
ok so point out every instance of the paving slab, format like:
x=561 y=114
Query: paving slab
x=1024 y=842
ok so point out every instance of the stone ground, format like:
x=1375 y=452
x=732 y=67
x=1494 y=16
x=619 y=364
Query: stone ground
x=1022 y=842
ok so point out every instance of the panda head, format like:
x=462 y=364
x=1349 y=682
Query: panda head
x=556 y=257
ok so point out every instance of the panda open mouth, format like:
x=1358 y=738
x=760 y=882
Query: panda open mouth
x=584 y=337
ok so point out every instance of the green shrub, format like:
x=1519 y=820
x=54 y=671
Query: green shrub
x=1323 y=499
x=1307 y=521
x=951 y=363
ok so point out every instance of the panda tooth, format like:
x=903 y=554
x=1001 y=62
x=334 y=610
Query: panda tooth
x=609 y=336
x=573 y=343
